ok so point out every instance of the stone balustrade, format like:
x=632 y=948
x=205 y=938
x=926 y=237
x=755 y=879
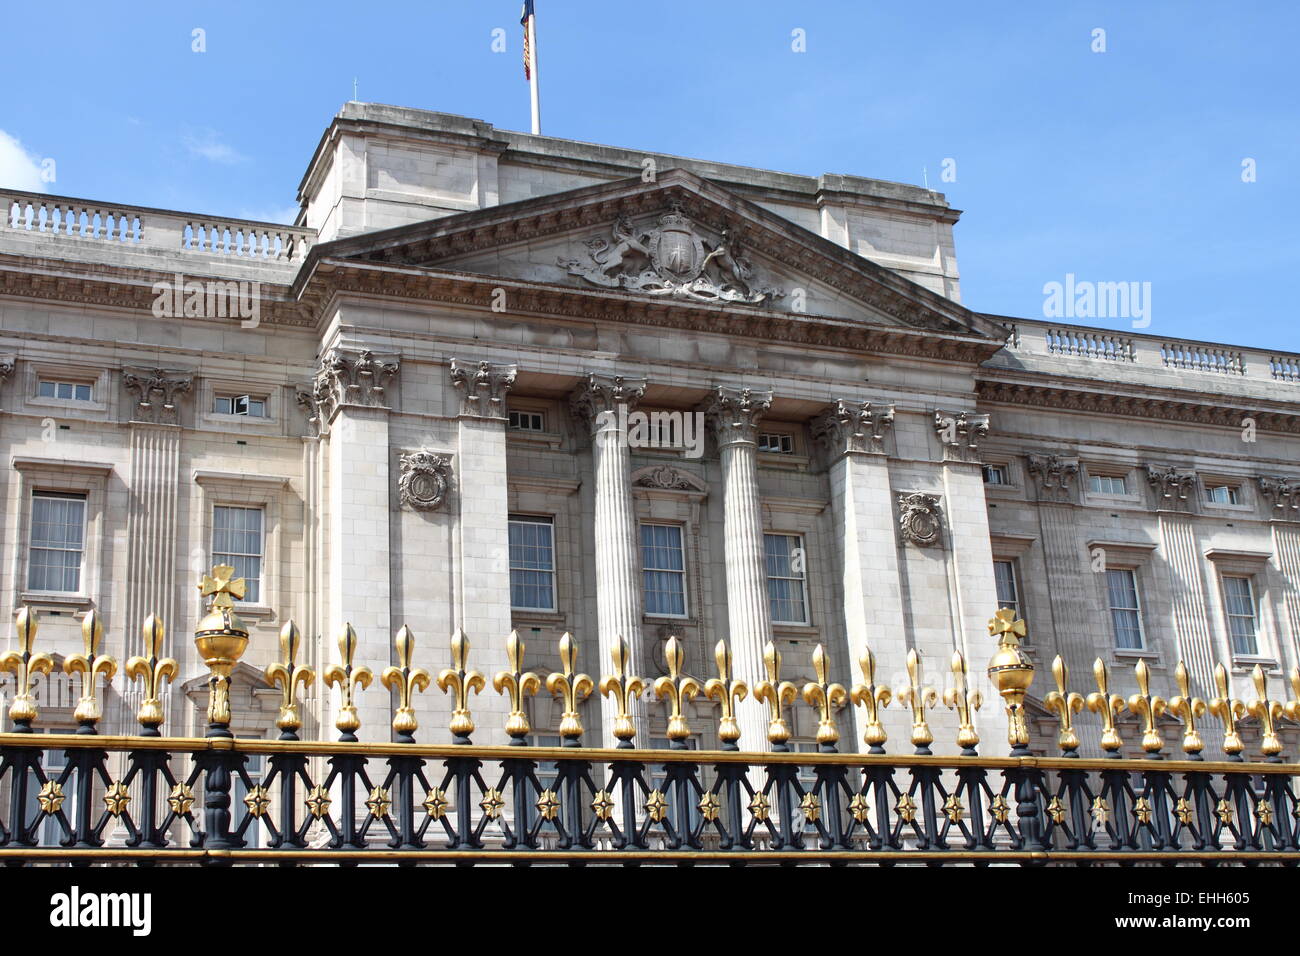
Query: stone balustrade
x=115 y=228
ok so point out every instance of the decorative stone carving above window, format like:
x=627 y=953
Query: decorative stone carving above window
x=483 y=387
x=157 y=393
x=920 y=518
x=1175 y=489
x=853 y=426
x=1054 y=475
x=667 y=478
x=425 y=480
x=1283 y=494
x=960 y=433
x=735 y=413
x=672 y=258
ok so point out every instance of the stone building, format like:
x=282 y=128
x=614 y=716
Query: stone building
x=492 y=380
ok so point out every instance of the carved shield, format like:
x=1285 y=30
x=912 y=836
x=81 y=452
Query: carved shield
x=675 y=250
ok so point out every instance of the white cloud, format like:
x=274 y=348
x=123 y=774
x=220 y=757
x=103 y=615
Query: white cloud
x=206 y=144
x=19 y=169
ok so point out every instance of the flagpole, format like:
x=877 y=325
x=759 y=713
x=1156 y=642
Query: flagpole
x=532 y=70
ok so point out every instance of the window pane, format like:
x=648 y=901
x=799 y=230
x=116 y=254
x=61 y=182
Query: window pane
x=1004 y=576
x=785 y=578
x=46 y=390
x=83 y=393
x=532 y=565
x=1125 y=615
x=663 y=566
x=1239 y=600
x=58 y=530
x=237 y=541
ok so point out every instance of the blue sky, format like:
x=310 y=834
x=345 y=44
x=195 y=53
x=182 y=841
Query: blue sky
x=1117 y=166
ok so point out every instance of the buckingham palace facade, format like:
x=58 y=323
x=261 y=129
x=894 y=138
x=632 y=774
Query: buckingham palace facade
x=495 y=381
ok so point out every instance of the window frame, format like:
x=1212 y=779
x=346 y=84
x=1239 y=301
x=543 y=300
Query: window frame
x=1228 y=615
x=1018 y=605
x=47 y=494
x=1101 y=477
x=802 y=579
x=547 y=521
x=256 y=599
x=519 y=413
x=1137 y=608
x=212 y=489
x=683 y=574
x=65 y=476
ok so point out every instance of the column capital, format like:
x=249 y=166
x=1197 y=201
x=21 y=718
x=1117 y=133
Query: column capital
x=482 y=387
x=736 y=412
x=960 y=433
x=598 y=394
x=1171 y=485
x=157 y=393
x=852 y=426
x=346 y=377
x=1283 y=494
x=1054 y=474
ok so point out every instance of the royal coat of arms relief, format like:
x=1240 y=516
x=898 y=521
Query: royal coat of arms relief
x=672 y=258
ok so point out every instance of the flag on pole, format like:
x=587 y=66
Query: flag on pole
x=526 y=16
x=528 y=19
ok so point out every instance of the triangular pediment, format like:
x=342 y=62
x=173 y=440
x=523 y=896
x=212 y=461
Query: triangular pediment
x=678 y=240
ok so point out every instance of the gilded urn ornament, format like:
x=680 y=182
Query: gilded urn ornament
x=221 y=639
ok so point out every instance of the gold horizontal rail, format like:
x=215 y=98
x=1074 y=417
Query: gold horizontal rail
x=331 y=748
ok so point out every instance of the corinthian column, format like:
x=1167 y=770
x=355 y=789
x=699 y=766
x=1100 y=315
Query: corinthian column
x=734 y=414
x=618 y=597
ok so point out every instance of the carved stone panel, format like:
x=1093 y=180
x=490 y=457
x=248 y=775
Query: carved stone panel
x=425 y=480
x=482 y=387
x=1174 y=488
x=960 y=433
x=920 y=519
x=672 y=257
x=1282 y=494
x=1054 y=475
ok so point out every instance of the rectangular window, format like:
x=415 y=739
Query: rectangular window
x=532 y=563
x=58 y=541
x=1239 y=601
x=786 y=578
x=1223 y=494
x=1106 y=485
x=996 y=475
x=527 y=421
x=663 y=570
x=1125 y=612
x=776 y=443
x=74 y=391
x=1007 y=580
x=237 y=541
x=248 y=405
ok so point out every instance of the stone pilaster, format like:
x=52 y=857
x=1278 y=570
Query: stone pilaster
x=862 y=512
x=1283 y=498
x=597 y=402
x=735 y=414
x=1174 y=492
x=351 y=389
x=482 y=535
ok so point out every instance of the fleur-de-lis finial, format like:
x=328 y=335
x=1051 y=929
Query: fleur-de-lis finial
x=517 y=682
x=1150 y=708
x=23 y=663
x=1292 y=707
x=624 y=688
x=406 y=680
x=222 y=586
x=152 y=670
x=727 y=691
x=1187 y=708
x=871 y=697
x=677 y=689
x=917 y=698
x=1065 y=704
x=1228 y=710
x=1108 y=705
x=965 y=701
x=290 y=675
x=1266 y=711
x=572 y=687
x=90 y=665
x=460 y=680
x=348 y=678
x=778 y=694
x=825 y=696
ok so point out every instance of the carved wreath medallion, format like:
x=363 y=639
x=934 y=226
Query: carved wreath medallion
x=425 y=480
x=920 y=518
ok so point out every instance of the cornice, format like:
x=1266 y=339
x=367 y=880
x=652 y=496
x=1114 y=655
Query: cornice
x=1194 y=408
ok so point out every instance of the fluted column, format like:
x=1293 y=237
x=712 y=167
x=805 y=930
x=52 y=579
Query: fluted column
x=1174 y=491
x=735 y=414
x=598 y=402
